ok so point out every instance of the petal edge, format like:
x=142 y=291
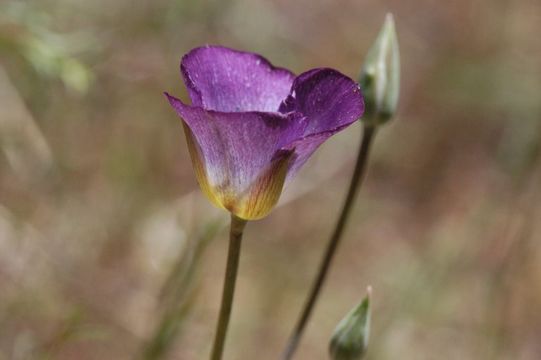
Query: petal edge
x=223 y=79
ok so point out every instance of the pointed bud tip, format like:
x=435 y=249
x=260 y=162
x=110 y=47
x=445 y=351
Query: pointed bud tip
x=389 y=28
x=380 y=75
x=350 y=338
x=389 y=20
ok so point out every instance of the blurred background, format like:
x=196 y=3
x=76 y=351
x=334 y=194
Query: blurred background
x=99 y=203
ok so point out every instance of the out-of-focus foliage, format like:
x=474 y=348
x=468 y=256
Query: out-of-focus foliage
x=98 y=201
x=26 y=32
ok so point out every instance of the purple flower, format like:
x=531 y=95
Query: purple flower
x=251 y=126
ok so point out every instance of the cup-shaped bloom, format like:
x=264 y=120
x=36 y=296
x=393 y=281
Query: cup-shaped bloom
x=380 y=76
x=251 y=125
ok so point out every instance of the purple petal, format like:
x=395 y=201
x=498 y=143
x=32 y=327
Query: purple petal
x=304 y=148
x=238 y=155
x=228 y=80
x=330 y=101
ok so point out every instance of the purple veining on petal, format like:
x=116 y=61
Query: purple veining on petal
x=330 y=101
x=326 y=97
x=237 y=147
x=228 y=80
x=252 y=125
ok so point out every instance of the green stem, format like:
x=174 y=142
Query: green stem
x=358 y=175
x=235 y=239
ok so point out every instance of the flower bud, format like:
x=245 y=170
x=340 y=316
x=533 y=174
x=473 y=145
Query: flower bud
x=380 y=76
x=350 y=338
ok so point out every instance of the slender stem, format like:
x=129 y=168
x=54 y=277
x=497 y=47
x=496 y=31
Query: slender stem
x=235 y=239
x=358 y=175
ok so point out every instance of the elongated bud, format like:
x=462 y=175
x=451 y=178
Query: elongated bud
x=350 y=338
x=380 y=76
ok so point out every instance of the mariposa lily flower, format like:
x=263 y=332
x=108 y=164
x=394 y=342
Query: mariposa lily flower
x=252 y=126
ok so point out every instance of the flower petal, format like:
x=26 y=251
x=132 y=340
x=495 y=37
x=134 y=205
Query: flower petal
x=227 y=80
x=303 y=148
x=266 y=190
x=238 y=157
x=328 y=99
